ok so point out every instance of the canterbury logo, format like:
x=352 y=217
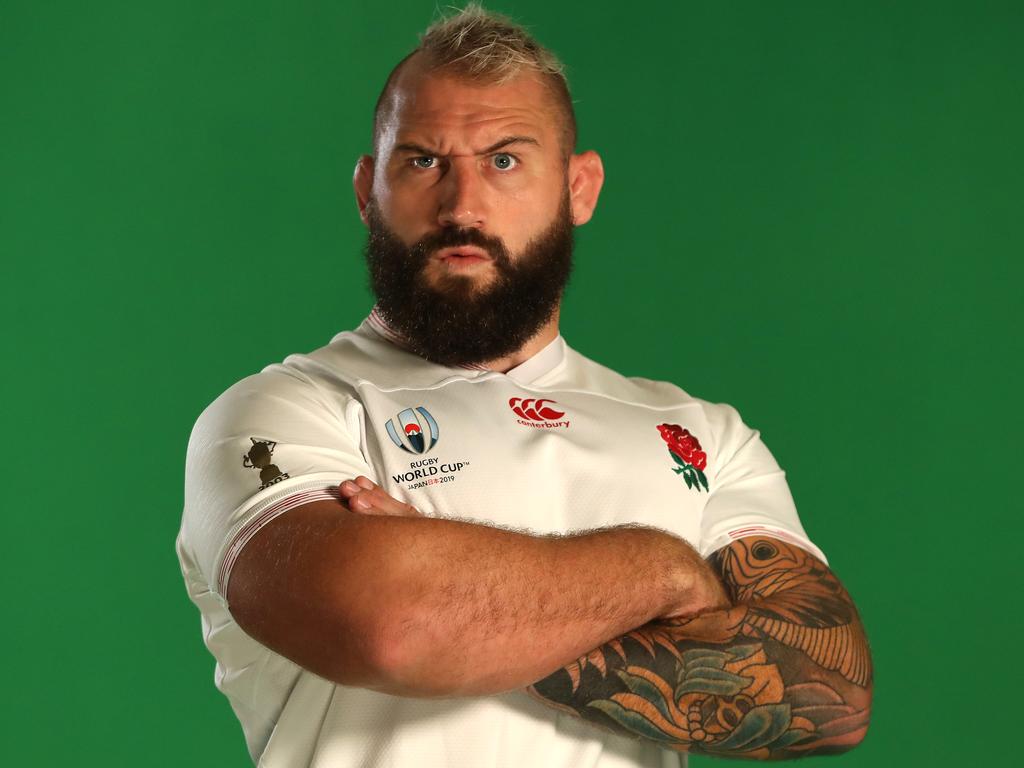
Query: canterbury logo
x=535 y=410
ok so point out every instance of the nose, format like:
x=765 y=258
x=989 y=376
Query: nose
x=462 y=202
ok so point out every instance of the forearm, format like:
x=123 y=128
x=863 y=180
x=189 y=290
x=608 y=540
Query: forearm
x=785 y=672
x=475 y=610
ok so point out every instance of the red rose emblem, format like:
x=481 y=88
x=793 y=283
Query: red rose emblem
x=685 y=450
x=684 y=445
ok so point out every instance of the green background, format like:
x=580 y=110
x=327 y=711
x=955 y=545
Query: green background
x=813 y=211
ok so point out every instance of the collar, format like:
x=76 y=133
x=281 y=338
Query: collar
x=542 y=362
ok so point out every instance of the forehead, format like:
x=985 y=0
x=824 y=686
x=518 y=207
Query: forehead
x=456 y=114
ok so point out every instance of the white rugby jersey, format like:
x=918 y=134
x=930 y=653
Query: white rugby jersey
x=558 y=443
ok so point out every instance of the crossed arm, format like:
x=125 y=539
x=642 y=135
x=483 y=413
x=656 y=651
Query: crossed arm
x=784 y=672
x=774 y=666
x=414 y=606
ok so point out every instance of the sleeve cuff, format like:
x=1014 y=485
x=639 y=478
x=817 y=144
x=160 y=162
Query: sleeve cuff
x=727 y=538
x=295 y=492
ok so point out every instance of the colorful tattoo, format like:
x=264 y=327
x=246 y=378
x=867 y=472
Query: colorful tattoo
x=785 y=672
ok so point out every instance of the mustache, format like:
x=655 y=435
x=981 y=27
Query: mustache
x=452 y=237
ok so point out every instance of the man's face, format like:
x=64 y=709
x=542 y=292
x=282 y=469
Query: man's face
x=470 y=220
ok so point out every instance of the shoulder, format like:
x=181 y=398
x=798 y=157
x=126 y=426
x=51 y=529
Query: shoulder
x=280 y=386
x=326 y=377
x=303 y=386
x=589 y=374
x=718 y=425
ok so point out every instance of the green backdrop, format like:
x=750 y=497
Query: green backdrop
x=813 y=211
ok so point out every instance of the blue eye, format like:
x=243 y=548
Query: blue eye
x=504 y=161
x=416 y=161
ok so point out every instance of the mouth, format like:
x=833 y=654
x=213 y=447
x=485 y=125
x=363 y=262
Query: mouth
x=462 y=256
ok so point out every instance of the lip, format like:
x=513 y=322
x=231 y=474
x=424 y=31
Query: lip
x=463 y=254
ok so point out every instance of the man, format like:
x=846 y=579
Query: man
x=448 y=539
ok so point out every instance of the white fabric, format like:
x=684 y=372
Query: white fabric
x=294 y=431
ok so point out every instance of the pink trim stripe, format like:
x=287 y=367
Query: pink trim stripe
x=778 y=533
x=741 y=532
x=247 y=531
x=384 y=329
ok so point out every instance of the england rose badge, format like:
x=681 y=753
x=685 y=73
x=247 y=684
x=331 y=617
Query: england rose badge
x=685 y=451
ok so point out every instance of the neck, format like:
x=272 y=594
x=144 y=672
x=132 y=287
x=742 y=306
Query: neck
x=544 y=336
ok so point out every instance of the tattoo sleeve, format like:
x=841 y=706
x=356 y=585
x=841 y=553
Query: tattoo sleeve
x=785 y=672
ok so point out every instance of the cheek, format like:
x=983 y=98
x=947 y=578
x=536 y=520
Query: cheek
x=523 y=217
x=408 y=215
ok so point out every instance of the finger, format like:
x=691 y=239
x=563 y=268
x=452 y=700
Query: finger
x=367 y=502
x=387 y=503
x=360 y=503
x=377 y=502
x=364 y=482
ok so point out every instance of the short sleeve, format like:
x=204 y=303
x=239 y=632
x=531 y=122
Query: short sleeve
x=268 y=444
x=749 y=495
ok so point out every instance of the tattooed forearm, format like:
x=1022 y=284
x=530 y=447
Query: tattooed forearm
x=785 y=672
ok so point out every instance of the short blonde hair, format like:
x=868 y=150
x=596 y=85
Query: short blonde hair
x=486 y=47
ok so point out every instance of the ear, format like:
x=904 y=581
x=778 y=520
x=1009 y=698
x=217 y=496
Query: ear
x=586 y=176
x=362 y=183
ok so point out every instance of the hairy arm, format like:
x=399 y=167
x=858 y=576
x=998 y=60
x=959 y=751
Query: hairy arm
x=785 y=672
x=423 y=607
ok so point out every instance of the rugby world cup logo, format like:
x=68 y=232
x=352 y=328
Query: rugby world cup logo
x=416 y=431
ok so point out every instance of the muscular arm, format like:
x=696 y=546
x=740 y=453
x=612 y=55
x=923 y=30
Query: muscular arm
x=785 y=672
x=416 y=606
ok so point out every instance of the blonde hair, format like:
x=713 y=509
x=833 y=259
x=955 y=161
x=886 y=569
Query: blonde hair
x=491 y=49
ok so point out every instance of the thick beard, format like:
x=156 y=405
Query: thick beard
x=454 y=323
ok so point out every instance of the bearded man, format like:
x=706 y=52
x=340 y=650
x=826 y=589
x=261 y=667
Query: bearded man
x=446 y=538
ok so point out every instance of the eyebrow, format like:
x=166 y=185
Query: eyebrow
x=501 y=143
